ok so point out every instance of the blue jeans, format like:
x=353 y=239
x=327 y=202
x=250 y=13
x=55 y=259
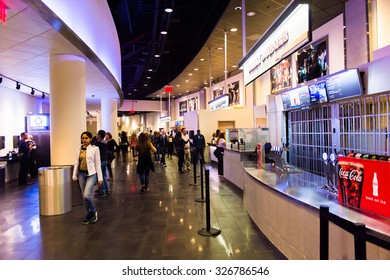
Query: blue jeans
x=105 y=188
x=87 y=184
x=144 y=177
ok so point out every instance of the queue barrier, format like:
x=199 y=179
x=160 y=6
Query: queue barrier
x=359 y=231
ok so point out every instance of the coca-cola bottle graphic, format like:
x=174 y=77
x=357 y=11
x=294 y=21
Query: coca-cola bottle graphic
x=351 y=177
x=375 y=185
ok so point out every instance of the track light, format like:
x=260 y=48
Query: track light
x=43 y=95
x=1 y=80
x=32 y=91
x=17 y=85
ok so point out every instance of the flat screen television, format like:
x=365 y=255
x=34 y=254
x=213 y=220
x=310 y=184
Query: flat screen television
x=318 y=93
x=296 y=98
x=39 y=122
x=344 y=84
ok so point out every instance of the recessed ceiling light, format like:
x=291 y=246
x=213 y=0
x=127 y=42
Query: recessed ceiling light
x=148 y=77
x=187 y=81
x=164 y=32
x=169 y=10
x=158 y=95
x=237 y=8
x=178 y=85
x=234 y=29
x=196 y=69
x=189 y=74
x=234 y=66
x=220 y=48
x=145 y=85
x=251 y=14
x=135 y=89
x=150 y=70
x=156 y=55
x=202 y=59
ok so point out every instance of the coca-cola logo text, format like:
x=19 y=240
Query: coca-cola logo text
x=353 y=175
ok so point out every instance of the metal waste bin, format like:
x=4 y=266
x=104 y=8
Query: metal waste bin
x=55 y=190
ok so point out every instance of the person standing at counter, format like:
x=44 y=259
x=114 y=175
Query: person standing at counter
x=24 y=156
x=87 y=170
x=221 y=145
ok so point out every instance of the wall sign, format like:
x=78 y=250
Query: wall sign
x=219 y=103
x=289 y=32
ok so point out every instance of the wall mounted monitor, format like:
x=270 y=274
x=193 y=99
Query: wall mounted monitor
x=296 y=98
x=318 y=93
x=38 y=122
x=344 y=84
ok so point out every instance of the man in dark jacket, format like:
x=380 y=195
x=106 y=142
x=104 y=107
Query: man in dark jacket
x=102 y=144
x=199 y=144
x=24 y=156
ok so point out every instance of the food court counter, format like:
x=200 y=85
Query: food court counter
x=286 y=209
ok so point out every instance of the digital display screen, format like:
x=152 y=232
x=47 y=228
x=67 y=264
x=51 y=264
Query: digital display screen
x=296 y=98
x=318 y=93
x=38 y=123
x=344 y=84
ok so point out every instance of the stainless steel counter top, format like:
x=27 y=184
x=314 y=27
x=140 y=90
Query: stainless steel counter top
x=303 y=187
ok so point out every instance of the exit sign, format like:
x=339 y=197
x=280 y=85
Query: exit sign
x=3 y=12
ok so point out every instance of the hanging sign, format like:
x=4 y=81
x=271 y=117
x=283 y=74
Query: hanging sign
x=168 y=88
x=3 y=13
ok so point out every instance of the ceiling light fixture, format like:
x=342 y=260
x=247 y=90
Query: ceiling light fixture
x=43 y=95
x=220 y=48
x=234 y=29
x=196 y=69
x=150 y=70
x=32 y=91
x=1 y=80
x=156 y=55
x=164 y=32
x=251 y=14
x=168 y=10
x=17 y=85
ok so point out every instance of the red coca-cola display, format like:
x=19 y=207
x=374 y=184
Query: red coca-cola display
x=364 y=183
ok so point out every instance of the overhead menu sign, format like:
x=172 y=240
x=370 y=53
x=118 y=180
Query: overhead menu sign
x=288 y=33
x=219 y=103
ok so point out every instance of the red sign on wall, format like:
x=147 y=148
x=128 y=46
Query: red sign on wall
x=363 y=183
x=3 y=13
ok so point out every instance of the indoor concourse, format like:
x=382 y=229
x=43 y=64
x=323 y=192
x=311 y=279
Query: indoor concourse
x=162 y=224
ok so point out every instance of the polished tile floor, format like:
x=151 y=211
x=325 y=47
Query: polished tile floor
x=162 y=224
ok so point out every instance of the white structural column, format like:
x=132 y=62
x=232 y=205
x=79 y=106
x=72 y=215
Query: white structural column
x=67 y=106
x=109 y=113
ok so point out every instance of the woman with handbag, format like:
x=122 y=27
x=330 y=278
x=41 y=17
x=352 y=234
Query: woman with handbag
x=144 y=149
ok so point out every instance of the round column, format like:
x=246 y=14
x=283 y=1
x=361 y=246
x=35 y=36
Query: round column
x=109 y=116
x=67 y=107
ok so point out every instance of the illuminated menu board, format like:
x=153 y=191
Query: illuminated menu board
x=296 y=98
x=344 y=84
x=318 y=93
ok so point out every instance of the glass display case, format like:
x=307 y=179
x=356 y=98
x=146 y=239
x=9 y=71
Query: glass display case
x=246 y=138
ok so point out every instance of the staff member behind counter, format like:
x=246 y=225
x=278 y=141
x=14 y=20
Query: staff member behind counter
x=221 y=145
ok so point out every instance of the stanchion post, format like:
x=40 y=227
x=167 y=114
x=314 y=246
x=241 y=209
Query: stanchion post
x=201 y=199
x=208 y=231
x=194 y=167
x=324 y=233
x=360 y=242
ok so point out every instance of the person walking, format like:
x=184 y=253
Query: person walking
x=221 y=145
x=102 y=144
x=170 y=145
x=199 y=145
x=124 y=145
x=87 y=170
x=179 y=145
x=144 y=149
x=133 y=143
x=112 y=148
x=187 y=151
x=162 y=146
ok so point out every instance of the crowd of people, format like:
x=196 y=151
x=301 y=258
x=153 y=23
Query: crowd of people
x=94 y=158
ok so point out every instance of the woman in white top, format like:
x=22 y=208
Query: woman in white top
x=221 y=145
x=88 y=172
